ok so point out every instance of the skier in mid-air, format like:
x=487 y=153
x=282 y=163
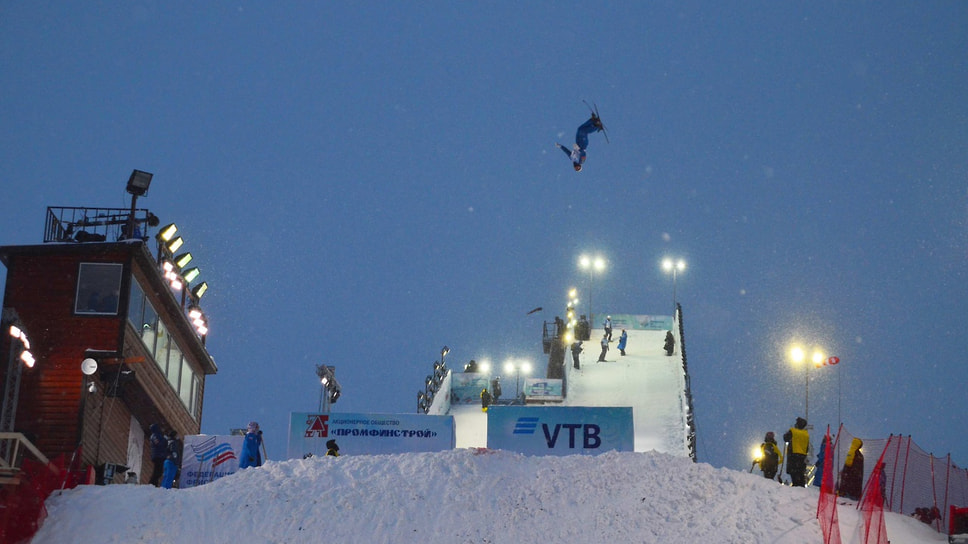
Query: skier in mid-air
x=577 y=152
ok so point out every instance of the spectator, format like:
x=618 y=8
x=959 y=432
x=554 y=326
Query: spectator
x=485 y=399
x=852 y=476
x=798 y=442
x=575 y=352
x=821 y=459
x=608 y=327
x=622 y=340
x=251 y=456
x=159 y=451
x=332 y=449
x=601 y=358
x=584 y=328
x=172 y=461
x=559 y=327
x=771 y=458
x=670 y=343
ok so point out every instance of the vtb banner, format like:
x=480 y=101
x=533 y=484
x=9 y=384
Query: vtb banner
x=359 y=434
x=560 y=430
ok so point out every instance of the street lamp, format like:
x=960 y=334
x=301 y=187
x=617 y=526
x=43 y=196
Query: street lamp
x=673 y=266
x=517 y=368
x=591 y=263
x=797 y=355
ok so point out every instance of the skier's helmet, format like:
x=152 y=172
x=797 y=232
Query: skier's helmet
x=253 y=427
x=577 y=167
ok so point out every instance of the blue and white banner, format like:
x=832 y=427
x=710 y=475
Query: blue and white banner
x=560 y=430
x=465 y=387
x=543 y=389
x=638 y=322
x=208 y=457
x=360 y=434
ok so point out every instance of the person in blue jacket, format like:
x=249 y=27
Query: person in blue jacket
x=622 y=340
x=577 y=152
x=251 y=445
x=159 y=451
x=173 y=461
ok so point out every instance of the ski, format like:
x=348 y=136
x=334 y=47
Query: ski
x=599 y=117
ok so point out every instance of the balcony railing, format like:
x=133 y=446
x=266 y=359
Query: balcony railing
x=80 y=225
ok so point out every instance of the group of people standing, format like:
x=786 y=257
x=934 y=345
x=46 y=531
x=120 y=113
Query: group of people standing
x=166 y=456
x=797 y=439
x=576 y=347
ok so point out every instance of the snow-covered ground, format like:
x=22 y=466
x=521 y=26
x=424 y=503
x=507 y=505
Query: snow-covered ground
x=471 y=495
x=460 y=496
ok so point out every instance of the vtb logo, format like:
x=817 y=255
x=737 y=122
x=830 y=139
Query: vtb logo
x=590 y=433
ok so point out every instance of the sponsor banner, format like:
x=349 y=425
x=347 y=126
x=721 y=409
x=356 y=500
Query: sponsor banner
x=207 y=458
x=359 y=434
x=465 y=387
x=543 y=389
x=560 y=430
x=638 y=322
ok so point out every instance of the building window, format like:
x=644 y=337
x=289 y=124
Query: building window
x=98 y=286
x=164 y=349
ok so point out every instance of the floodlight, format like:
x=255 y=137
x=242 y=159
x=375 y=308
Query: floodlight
x=509 y=367
x=526 y=367
x=182 y=260
x=485 y=367
x=174 y=244
x=28 y=358
x=138 y=182
x=167 y=232
x=190 y=274
x=15 y=331
x=817 y=358
x=200 y=289
x=194 y=313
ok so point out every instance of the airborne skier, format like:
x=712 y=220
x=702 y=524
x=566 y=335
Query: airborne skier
x=577 y=152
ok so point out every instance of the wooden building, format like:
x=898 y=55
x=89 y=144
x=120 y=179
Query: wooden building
x=85 y=297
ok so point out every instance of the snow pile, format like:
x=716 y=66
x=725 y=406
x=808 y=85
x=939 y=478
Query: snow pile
x=460 y=496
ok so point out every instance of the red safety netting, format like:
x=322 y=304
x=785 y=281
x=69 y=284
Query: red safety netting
x=827 y=504
x=874 y=530
x=914 y=482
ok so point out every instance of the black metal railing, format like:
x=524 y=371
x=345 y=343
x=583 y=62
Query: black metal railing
x=84 y=224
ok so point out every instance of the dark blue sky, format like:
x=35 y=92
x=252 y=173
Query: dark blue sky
x=363 y=183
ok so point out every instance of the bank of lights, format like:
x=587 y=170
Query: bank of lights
x=25 y=356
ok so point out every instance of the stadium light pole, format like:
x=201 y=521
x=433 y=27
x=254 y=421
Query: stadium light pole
x=798 y=356
x=517 y=368
x=591 y=263
x=674 y=267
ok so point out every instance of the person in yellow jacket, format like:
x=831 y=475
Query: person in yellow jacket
x=798 y=442
x=770 y=456
x=486 y=399
x=852 y=476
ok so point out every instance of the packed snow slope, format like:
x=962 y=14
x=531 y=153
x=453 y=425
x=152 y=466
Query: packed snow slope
x=646 y=379
x=460 y=496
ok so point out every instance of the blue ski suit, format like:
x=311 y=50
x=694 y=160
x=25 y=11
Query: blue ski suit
x=577 y=153
x=251 y=456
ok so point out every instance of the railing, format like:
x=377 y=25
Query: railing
x=13 y=448
x=95 y=224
